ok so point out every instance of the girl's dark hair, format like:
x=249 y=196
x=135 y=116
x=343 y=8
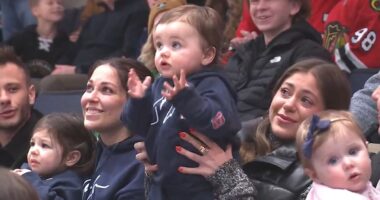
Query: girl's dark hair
x=122 y=66
x=68 y=130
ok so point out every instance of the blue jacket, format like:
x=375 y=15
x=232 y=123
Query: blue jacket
x=118 y=175
x=65 y=185
x=207 y=105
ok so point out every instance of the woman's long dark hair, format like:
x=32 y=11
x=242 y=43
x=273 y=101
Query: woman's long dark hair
x=334 y=88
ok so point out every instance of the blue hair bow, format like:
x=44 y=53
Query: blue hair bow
x=316 y=126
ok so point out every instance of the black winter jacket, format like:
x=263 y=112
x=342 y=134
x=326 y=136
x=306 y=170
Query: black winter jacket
x=255 y=67
x=13 y=155
x=113 y=33
x=28 y=46
x=278 y=175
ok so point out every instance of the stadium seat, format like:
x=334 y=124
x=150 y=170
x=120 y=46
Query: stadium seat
x=63 y=82
x=62 y=101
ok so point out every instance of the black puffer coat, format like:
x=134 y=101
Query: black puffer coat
x=278 y=175
x=255 y=67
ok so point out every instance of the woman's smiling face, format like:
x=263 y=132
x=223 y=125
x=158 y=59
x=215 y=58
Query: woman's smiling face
x=103 y=101
x=297 y=98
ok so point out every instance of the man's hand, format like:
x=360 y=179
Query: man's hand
x=247 y=36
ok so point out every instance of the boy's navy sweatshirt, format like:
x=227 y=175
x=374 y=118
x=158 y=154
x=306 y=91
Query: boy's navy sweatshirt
x=65 y=185
x=208 y=105
x=118 y=174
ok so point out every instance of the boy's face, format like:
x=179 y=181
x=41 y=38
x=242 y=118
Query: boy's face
x=49 y=10
x=273 y=16
x=342 y=163
x=45 y=154
x=178 y=46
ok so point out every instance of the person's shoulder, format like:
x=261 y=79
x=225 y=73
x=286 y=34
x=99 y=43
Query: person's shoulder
x=24 y=35
x=211 y=72
x=66 y=176
x=306 y=48
x=302 y=29
x=35 y=115
x=62 y=35
x=320 y=191
x=252 y=44
x=246 y=50
x=27 y=129
x=126 y=146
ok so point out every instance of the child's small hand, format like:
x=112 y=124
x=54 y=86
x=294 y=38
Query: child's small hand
x=137 y=88
x=169 y=92
x=20 y=171
x=142 y=156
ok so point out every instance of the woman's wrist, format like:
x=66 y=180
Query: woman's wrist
x=222 y=170
x=230 y=182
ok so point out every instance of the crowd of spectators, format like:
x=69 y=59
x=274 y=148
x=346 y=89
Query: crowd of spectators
x=283 y=63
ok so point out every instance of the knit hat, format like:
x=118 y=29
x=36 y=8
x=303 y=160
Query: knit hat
x=162 y=6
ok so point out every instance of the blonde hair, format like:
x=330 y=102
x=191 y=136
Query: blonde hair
x=231 y=12
x=147 y=54
x=148 y=51
x=340 y=122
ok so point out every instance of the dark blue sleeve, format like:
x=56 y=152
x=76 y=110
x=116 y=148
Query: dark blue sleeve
x=51 y=189
x=137 y=114
x=209 y=108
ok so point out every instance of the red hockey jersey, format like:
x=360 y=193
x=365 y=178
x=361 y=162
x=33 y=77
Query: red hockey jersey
x=319 y=12
x=351 y=34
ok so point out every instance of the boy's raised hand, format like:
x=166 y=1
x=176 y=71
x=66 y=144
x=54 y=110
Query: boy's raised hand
x=136 y=88
x=169 y=92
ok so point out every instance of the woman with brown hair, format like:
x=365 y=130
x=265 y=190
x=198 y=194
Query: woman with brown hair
x=270 y=168
x=268 y=154
x=117 y=174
